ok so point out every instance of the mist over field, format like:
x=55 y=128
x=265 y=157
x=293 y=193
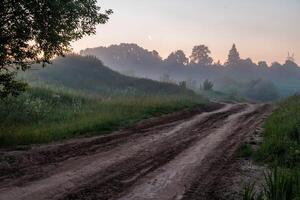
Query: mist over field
x=237 y=76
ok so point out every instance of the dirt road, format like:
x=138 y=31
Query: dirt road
x=178 y=156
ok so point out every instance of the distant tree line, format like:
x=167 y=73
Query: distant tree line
x=132 y=56
x=235 y=75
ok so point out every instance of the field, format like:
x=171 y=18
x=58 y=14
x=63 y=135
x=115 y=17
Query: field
x=42 y=115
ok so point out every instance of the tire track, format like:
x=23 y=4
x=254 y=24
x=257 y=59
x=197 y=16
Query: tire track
x=41 y=159
x=120 y=179
x=203 y=186
x=180 y=179
x=121 y=166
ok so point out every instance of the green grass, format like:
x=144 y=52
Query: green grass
x=281 y=151
x=42 y=115
x=281 y=146
x=249 y=192
x=280 y=184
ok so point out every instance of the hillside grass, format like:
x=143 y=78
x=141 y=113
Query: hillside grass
x=87 y=74
x=42 y=115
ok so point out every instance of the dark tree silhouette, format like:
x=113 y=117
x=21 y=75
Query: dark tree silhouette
x=262 y=64
x=286 y=77
x=233 y=56
x=126 y=57
x=201 y=55
x=207 y=85
x=34 y=31
x=177 y=58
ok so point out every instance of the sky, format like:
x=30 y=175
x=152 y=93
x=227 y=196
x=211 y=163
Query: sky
x=261 y=29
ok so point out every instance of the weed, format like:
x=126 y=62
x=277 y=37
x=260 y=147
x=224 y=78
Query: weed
x=280 y=184
x=249 y=192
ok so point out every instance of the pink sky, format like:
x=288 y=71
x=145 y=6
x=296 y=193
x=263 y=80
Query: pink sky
x=262 y=29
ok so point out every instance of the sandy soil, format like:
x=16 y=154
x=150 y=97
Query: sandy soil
x=177 y=156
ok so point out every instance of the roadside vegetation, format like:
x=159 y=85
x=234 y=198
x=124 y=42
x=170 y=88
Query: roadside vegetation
x=42 y=115
x=281 y=146
x=281 y=151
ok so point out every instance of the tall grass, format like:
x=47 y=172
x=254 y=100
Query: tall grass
x=43 y=115
x=280 y=184
x=281 y=145
x=249 y=192
x=281 y=150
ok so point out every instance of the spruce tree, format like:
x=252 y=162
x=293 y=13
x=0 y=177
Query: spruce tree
x=233 y=56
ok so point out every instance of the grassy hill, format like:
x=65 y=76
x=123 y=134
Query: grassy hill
x=87 y=74
x=42 y=115
x=78 y=96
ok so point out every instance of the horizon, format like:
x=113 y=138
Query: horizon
x=262 y=30
x=289 y=55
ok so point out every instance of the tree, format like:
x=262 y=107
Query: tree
x=177 y=58
x=233 y=56
x=207 y=85
x=201 y=55
x=262 y=64
x=35 y=31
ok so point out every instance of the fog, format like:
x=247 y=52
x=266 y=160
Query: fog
x=237 y=76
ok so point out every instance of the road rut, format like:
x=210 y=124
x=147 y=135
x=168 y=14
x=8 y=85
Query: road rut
x=178 y=156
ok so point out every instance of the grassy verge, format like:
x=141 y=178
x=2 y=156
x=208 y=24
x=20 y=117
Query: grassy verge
x=281 y=151
x=42 y=115
x=281 y=146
